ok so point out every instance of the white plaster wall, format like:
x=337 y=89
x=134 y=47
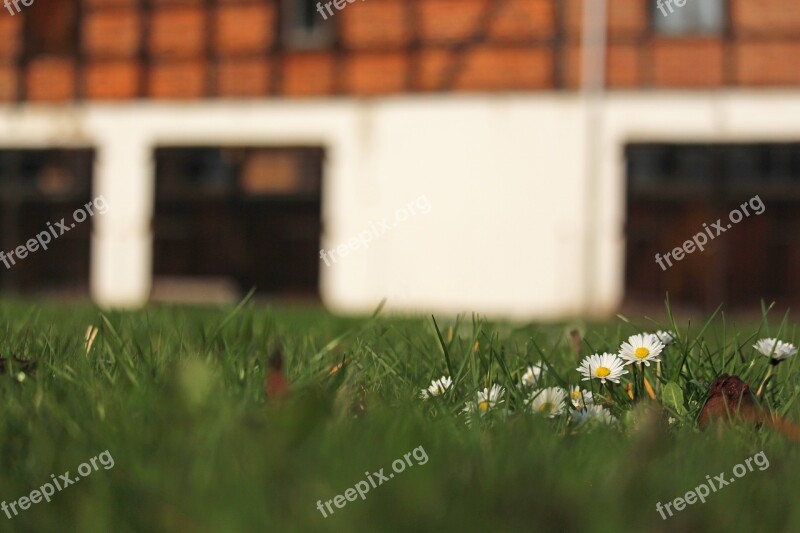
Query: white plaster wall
x=504 y=176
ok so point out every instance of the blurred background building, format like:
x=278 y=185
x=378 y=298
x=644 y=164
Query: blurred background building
x=233 y=139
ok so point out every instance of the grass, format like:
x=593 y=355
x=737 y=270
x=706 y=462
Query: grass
x=176 y=396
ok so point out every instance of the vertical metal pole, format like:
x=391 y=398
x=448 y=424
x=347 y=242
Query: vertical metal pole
x=593 y=70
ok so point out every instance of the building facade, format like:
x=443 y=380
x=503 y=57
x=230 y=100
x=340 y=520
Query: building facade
x=236 y=139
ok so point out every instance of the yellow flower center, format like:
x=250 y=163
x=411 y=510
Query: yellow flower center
x=576 y=395
x=483 y=406
x=602 y=372
x=641 y=352
x=547 y=407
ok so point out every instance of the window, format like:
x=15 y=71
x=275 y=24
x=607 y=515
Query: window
x=667 y=170
x=238 y=216
x=238 y=171
x=692 y=18
x=37 y=187
x=303 y=27
x=677 y=190
x=701 y=169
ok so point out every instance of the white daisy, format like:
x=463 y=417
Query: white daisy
x=643 y=348
x=777 y=350
x=580 y=398
x=548 y=402
x=603 y=367
x=592 y=413
x=665 y=337
x=532 y=375
x=436 y=388
x=486 y=399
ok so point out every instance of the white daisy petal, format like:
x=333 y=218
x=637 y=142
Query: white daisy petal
x=665 y=337
x=486 y=400
x=532 y=375
x=604 y=367
x=489 y=398
x=469 y=410
x=548 y=402
x=777 y=350
x=580 y=398
x=642 y=348
x=592 y=414
x=436 y=388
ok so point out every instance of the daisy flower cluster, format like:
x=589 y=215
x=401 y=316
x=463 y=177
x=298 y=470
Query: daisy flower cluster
x=552 y=402
x=549 y=402
x=555 y=401
x=581 y=406
x=642 y=348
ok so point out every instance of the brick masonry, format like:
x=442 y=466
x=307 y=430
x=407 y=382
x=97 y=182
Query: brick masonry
x=190 y=49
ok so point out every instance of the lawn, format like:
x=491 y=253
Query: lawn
x=170 y=404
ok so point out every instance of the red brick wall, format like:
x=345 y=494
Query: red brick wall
x=188 y=49
x=308 y=74
x=112 y=80
x=761 y=48
x=241 y=29
x=10 y=29
x=50 y=79
x=114 y=32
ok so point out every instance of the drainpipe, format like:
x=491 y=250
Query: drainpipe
x=593 y=70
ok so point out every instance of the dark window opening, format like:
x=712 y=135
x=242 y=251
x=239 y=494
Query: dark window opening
x=38 y=187
x=242 y=217
x=304 y=27
x=676 y=188
x=695 y=17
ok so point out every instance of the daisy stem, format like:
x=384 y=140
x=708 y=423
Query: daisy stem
x=637 y=382
x=641 y=370
x=763 y=383
x=658 y=376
